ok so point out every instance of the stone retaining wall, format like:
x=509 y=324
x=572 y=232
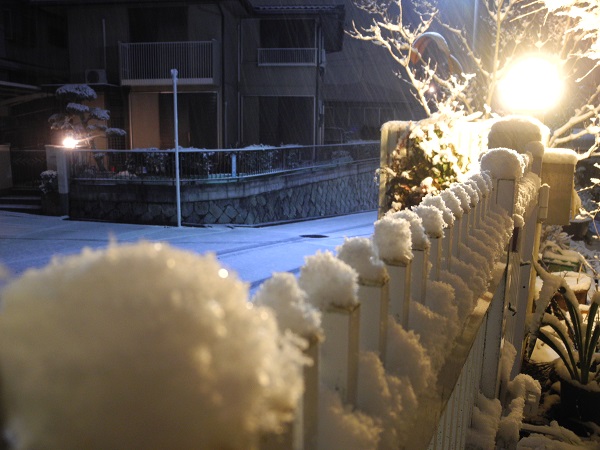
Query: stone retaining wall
x=318 y=192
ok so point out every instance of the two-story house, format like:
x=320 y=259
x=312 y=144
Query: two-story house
x=248 y=71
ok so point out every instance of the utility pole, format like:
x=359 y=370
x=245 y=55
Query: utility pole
x=177 y=185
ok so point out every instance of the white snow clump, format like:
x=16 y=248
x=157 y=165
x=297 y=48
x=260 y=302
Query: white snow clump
x=141 y=346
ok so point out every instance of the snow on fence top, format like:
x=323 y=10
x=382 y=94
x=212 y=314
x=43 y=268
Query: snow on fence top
x=504 y=163
x=360 y=254
x=141 y=346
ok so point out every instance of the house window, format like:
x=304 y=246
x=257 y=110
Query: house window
x=287 y=33
x=278 y=120
x=197 y=120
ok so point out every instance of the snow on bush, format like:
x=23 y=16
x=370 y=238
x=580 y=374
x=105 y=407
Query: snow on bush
x=141 y=346
x=329 y=282
x=452 y=202
x=282 y=294
x=341 y=427
x=484 y=424
x=420 y=241
x=393 y=239
x=432 y=219
x=503 y=163
x=437 y=201
x=360 y=254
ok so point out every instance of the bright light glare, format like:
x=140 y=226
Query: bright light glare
x=532 y=84
x=69 y=142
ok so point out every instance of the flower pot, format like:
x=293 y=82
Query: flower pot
x=577 y=228
x=579 y=403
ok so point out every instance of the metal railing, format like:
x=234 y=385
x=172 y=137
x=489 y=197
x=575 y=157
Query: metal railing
x=287 y=56
x=151 y=62
x=196 y=165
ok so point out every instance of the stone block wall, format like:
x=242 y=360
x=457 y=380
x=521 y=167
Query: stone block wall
x=313 y=193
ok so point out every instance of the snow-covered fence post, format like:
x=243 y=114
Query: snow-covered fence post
x=506 y=167
x=331 y=285
x=282 y=294
x=453 y=203
x=373 y=292
x=393 y=241
x=465 y=203
x=420 y=250
x=433 y=225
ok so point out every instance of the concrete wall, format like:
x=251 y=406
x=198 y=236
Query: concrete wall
x=303 y=195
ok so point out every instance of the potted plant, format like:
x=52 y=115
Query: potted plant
x=575 y=341
x=50 y=199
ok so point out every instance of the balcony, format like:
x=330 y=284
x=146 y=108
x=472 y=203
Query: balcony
x=287 y=56
x=150 y=63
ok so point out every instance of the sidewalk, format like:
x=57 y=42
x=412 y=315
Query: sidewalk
x=30 y=241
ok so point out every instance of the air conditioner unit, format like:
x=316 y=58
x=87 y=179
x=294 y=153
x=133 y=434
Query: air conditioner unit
x=95 y=76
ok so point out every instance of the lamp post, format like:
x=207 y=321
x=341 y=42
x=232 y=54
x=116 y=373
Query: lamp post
x=177 y=186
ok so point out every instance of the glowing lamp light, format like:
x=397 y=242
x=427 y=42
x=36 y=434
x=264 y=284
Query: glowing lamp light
x=532 y=84
x=69 y=142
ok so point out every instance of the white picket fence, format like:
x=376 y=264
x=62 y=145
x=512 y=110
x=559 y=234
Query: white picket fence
x=471 y=365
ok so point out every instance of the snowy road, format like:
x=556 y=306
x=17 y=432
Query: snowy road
x=28 y=241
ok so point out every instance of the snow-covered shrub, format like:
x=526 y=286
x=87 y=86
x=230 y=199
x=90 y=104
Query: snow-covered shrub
x=48 y=181
x=141 y=346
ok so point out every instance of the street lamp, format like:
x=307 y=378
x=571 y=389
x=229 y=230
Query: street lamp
x=532 y=84
x=69 y=142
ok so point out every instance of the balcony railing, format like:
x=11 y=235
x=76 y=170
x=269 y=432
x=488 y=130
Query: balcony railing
x=287 y=56
x=150 y=63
